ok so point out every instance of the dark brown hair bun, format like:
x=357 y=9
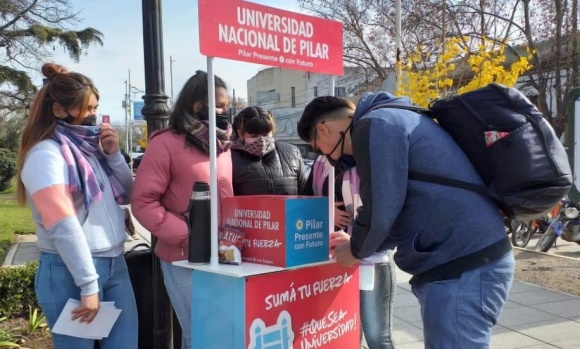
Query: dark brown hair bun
x=50 y=70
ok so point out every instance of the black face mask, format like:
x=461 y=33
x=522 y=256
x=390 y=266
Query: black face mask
x=90 y=120
x=221 y=120
x=344 y=163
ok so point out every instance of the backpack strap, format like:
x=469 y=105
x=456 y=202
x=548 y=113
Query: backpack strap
x=400 y=106
x=424 y=177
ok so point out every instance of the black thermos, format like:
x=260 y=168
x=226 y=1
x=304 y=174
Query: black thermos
x=199 y=224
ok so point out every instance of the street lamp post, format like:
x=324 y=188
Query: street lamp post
x=126 y=107
x=171 y=60
x=129 y=118
x=156 y=113
x=130 y=90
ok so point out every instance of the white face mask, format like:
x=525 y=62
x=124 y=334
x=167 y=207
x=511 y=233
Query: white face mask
x=259 y=146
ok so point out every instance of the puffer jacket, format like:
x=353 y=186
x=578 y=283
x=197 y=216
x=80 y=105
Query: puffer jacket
x=280 y=172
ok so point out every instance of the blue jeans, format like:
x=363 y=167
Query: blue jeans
x=54 y=285
x=178 y=284
x=376 y=308
x=460 y=313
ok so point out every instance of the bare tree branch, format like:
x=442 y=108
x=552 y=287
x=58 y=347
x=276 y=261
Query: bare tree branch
x=27 y=29
x=19 y=16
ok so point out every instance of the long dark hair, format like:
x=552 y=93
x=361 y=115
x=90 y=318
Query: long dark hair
x=194 y=90
x=253 y=120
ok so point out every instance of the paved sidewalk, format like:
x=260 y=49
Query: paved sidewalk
x=534 y=317
x=25 y=250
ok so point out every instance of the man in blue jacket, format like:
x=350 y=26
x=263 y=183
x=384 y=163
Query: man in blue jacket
x=451 y=240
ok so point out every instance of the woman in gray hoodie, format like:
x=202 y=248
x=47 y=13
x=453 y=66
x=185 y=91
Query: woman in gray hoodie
x=74 y=178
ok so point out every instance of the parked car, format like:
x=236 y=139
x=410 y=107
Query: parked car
x=137 y=157
x=126 y=157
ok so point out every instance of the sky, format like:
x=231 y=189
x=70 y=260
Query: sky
x=120 y=21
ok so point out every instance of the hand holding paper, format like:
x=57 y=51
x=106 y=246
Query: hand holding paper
x=88 y=308
x=98 y=328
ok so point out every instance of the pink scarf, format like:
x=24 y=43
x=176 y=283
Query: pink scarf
x=351 y=193
x=321 y=168
x=350 y=185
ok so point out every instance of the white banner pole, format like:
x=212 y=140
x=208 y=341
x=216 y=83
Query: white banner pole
x=331 y=174
x=213 y=186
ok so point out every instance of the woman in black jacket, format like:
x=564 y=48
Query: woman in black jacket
x=260 y=164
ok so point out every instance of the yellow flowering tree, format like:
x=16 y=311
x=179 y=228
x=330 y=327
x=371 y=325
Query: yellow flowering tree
x=457 y=69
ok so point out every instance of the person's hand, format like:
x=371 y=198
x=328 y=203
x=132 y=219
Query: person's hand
x=343 y=255
x=338 y=238
x=88 y=309
x=341 y=218
x=109 y=139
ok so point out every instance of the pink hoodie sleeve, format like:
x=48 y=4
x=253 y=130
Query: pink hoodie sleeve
x=151 y=183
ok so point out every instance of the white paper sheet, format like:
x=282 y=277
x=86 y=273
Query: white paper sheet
x=99 y=328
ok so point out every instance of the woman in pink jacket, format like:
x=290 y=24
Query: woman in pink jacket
x=174 y=160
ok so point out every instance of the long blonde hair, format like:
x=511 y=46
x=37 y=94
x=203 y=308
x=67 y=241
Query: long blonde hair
x=70 y=90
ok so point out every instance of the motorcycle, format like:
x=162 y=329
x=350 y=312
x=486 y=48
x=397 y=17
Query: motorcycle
x=521 y=232
x=565 y=224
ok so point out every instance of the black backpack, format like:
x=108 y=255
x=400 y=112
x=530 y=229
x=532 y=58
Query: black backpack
x=511 y=145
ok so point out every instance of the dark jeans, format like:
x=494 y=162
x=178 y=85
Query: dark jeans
x=376 y=307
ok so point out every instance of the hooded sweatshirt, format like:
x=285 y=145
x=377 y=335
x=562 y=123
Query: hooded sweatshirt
x=430 y=224
x=63 y=224
x=163 y=186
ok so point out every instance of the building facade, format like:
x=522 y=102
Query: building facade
x=286 y=92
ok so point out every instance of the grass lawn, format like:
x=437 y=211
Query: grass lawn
x=13 y=219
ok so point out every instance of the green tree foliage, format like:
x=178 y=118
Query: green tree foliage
x=548 y=28
x=11 y=125
x=29 y=30
x=7 y=168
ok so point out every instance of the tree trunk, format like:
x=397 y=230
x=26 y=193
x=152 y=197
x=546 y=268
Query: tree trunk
x=557 y=66
x=575 y=53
